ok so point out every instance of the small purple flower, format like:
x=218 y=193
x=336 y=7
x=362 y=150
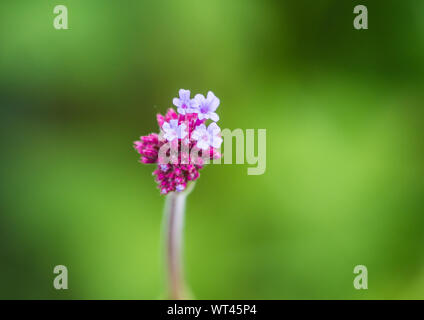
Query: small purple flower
x=184 y=103
x=209 y=137
x=174 y=131
x=205 y=107
x=180 y=187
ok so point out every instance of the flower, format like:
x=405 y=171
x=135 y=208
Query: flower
x=148 y=148
x=209 y=137
x=184 y=103
x=173 y=130
x=205 y=107
x=180 y=134
x=170 y=114
x=176 y=177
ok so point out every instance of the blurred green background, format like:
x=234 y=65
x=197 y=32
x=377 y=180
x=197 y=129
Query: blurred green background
x=343 y=110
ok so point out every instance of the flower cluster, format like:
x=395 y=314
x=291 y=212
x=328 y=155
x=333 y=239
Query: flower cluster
x=184 y=143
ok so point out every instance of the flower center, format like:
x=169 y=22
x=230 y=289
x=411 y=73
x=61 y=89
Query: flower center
x=204 y=110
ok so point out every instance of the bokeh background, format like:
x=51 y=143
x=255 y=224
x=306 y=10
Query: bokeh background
x=343 y=110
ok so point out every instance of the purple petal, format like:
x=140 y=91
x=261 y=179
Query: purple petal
x=166 y=127
x=202 y=116
x=182 y=131
x=202 y=144
x=174 y=123
x=216 y=143
x=214 y=129
x=199 y=98
x=184 y=94
x=214 y=116
x=182 y=110
x=213 y=101
x=194 y=104
x=176 y=102
x=199 y=132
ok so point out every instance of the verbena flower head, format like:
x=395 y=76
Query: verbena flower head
x=184 y=142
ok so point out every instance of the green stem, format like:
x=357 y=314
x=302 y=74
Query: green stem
x=174 y=214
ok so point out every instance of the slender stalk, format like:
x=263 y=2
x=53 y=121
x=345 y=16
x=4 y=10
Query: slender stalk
x=174 y=215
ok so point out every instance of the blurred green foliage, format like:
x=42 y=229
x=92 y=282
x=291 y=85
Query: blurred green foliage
x=343 y=112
